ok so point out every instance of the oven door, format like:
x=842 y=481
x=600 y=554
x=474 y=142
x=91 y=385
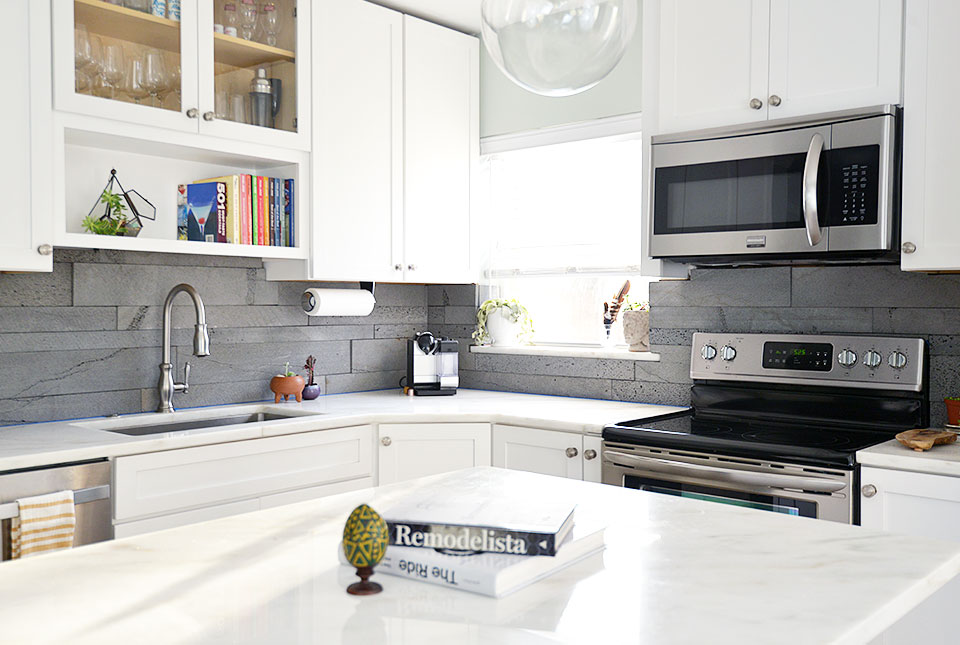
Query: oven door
x=790 y=489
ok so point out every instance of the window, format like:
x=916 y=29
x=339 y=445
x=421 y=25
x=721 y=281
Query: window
x=564 y=233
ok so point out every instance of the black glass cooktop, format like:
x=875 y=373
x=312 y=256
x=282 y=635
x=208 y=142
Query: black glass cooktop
x=806 y=444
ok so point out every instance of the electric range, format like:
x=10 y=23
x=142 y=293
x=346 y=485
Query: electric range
x=776 y=422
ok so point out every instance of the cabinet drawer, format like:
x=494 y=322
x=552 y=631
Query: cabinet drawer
x=154 y=524
x=314 y=492
x=175 y=480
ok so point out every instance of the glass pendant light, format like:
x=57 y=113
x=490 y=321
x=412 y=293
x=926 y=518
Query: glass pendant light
x=557 y=47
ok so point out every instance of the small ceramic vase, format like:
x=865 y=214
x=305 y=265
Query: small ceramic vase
x=311 y=391
x=287 y=386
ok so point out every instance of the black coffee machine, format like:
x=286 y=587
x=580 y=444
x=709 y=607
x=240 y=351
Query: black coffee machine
x=433 y=365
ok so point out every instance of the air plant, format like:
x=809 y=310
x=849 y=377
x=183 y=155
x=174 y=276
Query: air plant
x=310 y=366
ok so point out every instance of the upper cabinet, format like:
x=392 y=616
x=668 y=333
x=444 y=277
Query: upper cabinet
x=742 y=61
x=931 y=137
x=395 y=143
x=194 y=69
x=25 y=131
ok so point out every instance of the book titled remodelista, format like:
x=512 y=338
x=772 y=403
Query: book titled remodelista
x=460 y=521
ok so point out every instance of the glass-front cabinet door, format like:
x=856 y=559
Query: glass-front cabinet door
x=129 y=60
x=253 y=85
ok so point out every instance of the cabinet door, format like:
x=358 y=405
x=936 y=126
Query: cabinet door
x=272 y=36
x=827 y=55
x=175 y=480
x=547 y=452
x=25 y=129
x=410 y=450
x=127 y=65
x=931 y=137
x=920 y=505
x=153 y=524
x=713 y=63
x=441 y=146
x=357 y=142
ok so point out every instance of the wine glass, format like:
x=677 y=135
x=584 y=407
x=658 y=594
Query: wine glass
x=270 y=22
x=133 y=82
x=82 y=57
x=248 y=18
x=154 y=74
x=111 y=68
x=173 y=81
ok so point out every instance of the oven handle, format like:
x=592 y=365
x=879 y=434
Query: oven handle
x=811 y=173
x=770 y=480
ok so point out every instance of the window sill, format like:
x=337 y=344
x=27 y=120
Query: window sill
x=619 y=353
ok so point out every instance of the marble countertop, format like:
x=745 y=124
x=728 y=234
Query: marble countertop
x=674 y=571
x=939 y=460
x=43 y=444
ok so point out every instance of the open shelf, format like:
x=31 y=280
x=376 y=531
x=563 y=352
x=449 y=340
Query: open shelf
x=90 y=241
x=114 y=21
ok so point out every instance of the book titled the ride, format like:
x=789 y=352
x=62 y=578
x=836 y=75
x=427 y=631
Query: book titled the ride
x=461 y=523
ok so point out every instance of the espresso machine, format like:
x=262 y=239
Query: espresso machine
x=433 y=365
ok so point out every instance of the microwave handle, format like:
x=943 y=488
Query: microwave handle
x=811 y=172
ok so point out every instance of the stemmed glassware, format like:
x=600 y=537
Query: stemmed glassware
x=248 y=18
x=154 y=74
x=83 y=58
x=111 y=68
x=270 y=22
x=133 y=82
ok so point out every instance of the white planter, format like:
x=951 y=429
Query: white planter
x=503 y=331
x=636 y=330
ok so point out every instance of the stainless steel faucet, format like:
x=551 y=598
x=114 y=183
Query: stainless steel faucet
x=201 y=347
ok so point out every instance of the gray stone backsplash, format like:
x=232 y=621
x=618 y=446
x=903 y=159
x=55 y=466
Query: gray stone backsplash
x=85 y=340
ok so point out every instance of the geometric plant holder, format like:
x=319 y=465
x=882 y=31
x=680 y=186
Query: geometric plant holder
x=140 y=206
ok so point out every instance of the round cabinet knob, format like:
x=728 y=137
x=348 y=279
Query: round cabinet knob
x=872 y=359
x=728 y=353
x=869 y=490
x=572 y=452
x=908 y=247
x=398 y=267
x=756 y=104
x=386 y=441
x=897 y=360
x=708 y=352
x=774 y=100
x=193 y=113
x=208 y=116
x=847 y=358
x=44 y=249
x=588 y=454
x=411 y=267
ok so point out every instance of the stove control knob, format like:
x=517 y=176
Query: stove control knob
x=897 y=360
x=847 y=358
x=872 y=359
x=708 y=352
x=728 y=353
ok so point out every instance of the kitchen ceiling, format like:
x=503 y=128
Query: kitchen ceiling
x=463 y=15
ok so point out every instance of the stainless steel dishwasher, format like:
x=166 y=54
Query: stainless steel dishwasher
x=90 y=483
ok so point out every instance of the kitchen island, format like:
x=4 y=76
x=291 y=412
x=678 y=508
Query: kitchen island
x=674 y=571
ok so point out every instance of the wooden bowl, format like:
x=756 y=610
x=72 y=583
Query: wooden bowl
x=921 y=440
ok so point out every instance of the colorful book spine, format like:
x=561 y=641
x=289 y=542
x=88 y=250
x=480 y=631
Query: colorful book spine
x=273 y=211
x=288 y=206
x=232 y=220
x=182 y=213
x=245 y=211
x=254 y=211
x=282 y=210
x=278 y=210
x=261 y=199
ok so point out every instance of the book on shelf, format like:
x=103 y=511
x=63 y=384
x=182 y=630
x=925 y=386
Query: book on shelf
x=273 y=210
x=490 y=574
x=246 y=212
x=207 y=211
x=233 y=205
x=291 y=239
x=436 y=519
x=182 y=215
x=262 y=199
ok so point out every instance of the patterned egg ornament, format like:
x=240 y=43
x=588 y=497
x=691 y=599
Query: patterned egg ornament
x=364 y=545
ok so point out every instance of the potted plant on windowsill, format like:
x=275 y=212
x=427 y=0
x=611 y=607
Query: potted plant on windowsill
x=636 y=325
x=503 y=322
x=953 y=410
x=286 y=385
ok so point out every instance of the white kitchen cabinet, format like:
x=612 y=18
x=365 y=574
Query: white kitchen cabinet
x=209 y=63
x=25 y=116
x=922 y=505
x=173 y=520
x=931 y=137
x=410 y=450
x=173 y=481
x=744 y=61
x=547 y=452
x=395 y=143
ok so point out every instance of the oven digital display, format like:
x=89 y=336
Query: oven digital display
x=811 y=357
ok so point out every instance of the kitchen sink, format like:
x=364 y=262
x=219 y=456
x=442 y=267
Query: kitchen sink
x=146 y=428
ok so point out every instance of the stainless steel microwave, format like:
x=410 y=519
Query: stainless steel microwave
x=781 y=192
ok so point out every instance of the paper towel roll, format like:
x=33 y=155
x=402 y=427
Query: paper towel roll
x=337 y=302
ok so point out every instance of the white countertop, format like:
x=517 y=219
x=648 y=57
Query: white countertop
x=43 y=444
x=674 y=571
x=939 y=460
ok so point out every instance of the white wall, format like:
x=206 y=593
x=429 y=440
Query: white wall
x=507 y=108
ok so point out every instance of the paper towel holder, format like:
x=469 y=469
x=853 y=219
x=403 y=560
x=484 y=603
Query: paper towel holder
x=369 y=286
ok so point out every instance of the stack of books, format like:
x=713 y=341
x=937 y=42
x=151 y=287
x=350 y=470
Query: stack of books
x=490 y=547
x=237 y=209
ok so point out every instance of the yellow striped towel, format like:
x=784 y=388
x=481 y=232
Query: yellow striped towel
x=45 y=523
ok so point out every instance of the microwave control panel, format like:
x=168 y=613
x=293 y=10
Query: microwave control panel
x=854 y=185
